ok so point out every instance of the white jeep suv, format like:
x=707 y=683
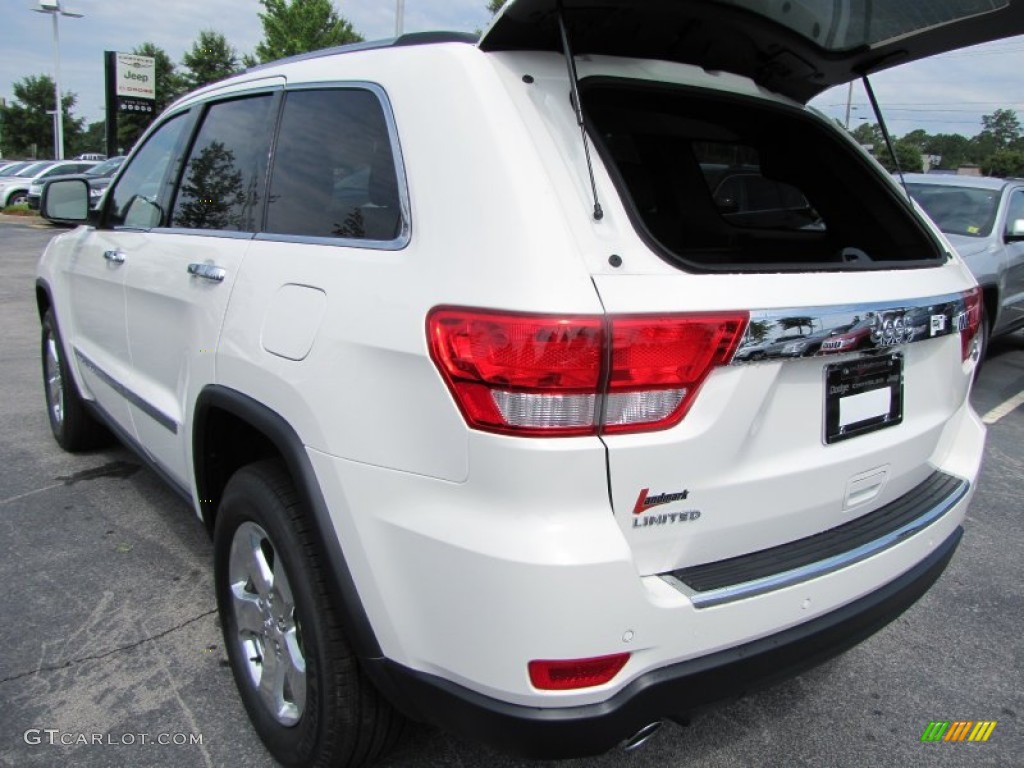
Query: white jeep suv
x=466 y=394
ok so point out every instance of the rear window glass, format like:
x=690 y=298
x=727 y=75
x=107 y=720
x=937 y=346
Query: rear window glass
x=843 y=24
x=334 y=168
x=734 y=183
x=744 y=197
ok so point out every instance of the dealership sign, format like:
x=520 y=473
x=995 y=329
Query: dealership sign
x=136 y=76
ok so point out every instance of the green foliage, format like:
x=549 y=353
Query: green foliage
x=209 y=59
x=169 y=85
x=870 y=135
x=917 y=137
x=291 y=27
x=1003 y=126
x=953 y=149
x=908 y=154
x=91 y=140
x=1004 y=163
x=21 y=209
x=27 y=129
x=495 y=5
x=996 y=148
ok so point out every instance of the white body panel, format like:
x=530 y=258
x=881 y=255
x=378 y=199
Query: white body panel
x=473 y=553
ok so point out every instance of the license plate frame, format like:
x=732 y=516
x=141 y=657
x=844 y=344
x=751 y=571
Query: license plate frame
x=863 y=396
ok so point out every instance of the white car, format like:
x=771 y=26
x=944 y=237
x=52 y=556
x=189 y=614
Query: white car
x=454 y=384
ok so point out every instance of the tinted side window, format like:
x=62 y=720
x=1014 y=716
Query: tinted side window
x=334 y=172
x=134 y=202
x=1015 y=211
x=222 y=185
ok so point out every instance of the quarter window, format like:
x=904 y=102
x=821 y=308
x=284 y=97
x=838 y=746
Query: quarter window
x=221 y=187
x=334 y=170
x=1015 y=212
x=135 y=201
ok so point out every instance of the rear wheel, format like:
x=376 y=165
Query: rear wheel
x=296 y=673
x=73 y=426
x=983 y=334
x=17 y=198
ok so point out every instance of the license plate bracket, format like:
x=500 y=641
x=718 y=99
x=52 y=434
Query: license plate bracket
x=863 y=396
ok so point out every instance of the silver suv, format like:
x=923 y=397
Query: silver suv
x=984 y=219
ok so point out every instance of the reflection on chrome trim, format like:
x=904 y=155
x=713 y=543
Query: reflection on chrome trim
x=819 y=331
x=150 y=410
x=822 y=567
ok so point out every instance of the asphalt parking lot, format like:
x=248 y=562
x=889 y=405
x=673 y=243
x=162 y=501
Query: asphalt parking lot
x=112 y=653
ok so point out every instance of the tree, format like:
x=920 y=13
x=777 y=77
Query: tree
x=90 y=140
x=27 y=128
x=209 y=59
x=1003 y=126
x=169 y=85
x=869 y=135
x=1004 y=163
x=291 y=27
x=908 y=154
x=918 y=137
x=954 y=149
x=495 y=5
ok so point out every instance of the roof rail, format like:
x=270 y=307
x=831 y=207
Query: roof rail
x=412 y=38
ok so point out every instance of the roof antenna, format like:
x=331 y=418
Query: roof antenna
x=885 y=133
x=578 y=106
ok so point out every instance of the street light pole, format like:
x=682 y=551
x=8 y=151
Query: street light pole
x=53 y=8
x=849 y=101
x=399 y=17
x=59 y=149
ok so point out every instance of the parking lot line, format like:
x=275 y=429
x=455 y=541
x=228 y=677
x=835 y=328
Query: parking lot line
x=1004 y=409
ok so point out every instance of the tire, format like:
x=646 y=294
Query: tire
x=983 y=338
x=17 y=198
x=73 y=426
x=313 y=706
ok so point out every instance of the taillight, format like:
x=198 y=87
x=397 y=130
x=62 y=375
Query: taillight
x=579 y=375
x=570 y=674
x=659 y=363
x=970 y=322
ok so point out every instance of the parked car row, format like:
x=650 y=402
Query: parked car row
x=14 y=188
x=98 y=177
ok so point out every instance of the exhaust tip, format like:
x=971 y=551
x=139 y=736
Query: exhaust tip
x=641 y=737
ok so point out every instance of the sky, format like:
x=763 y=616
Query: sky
x=945 y=94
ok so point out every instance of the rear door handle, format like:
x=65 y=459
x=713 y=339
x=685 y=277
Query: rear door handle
x=209 y=272
x=114 y=257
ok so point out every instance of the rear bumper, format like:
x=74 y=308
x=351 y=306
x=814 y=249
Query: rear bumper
x=671 y=690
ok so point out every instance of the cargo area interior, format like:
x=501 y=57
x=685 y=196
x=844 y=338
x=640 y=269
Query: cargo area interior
x=736 y=184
